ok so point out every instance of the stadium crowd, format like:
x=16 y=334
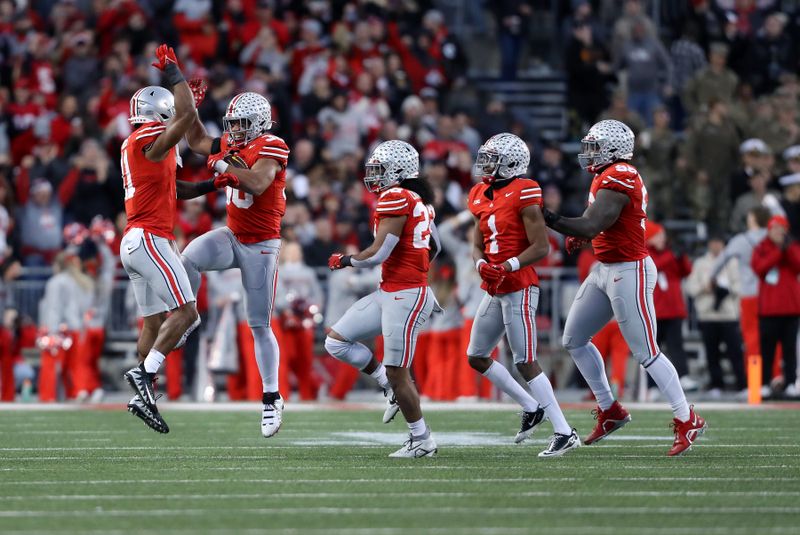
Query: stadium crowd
x=712 y=93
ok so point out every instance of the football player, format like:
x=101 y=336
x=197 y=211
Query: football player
x=403 y=233
x=251 y=239
x=621 y=284
x=148 y=251
x=510 y=235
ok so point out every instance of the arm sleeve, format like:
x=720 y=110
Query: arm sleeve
x=381 y=255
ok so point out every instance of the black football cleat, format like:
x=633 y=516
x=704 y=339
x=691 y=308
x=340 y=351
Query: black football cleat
x=530 y=421
x=148 y=414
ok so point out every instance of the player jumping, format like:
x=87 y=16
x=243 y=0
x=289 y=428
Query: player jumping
x=621 y=284
x=148 y=250
x=403 y=231
x=251 y=239
x=510 y=235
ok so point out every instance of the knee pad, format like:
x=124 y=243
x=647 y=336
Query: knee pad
x=571 y=343
x=351 y=353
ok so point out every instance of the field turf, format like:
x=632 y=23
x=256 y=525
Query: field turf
x=327 y=472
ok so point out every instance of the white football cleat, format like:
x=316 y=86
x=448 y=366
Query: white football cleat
x=414 y=448
x=391 y=406
x=271 y=414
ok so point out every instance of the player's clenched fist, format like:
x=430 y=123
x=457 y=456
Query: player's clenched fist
x=199 y=88
x=573 y=244
x=338 y=261
x=213 y=159
x=164 y=56
x=225 y=180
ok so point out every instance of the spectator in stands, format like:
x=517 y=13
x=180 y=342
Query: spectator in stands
x=633 y=14
x=588 y=66
x=96 y=185
x=668 y=298
x=656 y=152
x=298 y=305
x=9 y=271
x=648 y=70
x=772 y=54
x=687 y=58
x=759 y=195
x=41 y=219
x=265 y=52
x=512 y=24
x=716 y=302
x=710 y=152
x=621 y=111
x=790 y=203
x=714 y=82
x=317 y=252
x=776 y=261
x=756 y=158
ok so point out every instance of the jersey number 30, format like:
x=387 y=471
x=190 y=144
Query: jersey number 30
x=239 y=198
x=422 y=232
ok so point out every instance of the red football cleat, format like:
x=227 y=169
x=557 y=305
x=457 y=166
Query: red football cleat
x=608 y=421
x=687 y=432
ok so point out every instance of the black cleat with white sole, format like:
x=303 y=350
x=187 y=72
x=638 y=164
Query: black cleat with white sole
x=530 y=421
x=148 y=414
x=561 y=444
x=142 y=384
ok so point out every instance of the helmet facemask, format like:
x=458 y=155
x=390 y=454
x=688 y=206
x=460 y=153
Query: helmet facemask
x=240 y=130
x=378 y=177
x=592 y=155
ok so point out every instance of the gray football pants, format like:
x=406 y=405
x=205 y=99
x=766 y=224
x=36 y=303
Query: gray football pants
x=623 y=291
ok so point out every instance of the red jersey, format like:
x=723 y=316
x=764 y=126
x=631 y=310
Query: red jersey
x=407 y=266
x=150 y=196
x=503 y=231
x=624 y=240
x=256 y=218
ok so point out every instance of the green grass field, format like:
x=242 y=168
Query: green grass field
x=327 y=472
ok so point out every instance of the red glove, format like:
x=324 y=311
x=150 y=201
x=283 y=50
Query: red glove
x=164 y=55
x=573 y=244
x=335 y=261
x=199 y=88
x=493 y=275
x=226 y=179
x=213 y=159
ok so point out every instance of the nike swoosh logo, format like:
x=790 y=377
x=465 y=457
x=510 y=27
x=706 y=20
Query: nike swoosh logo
x=509 y=194
x=617 y=279
x=266 y=252
x=399 y=298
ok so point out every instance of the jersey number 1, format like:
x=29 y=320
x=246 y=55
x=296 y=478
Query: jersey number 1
x=494 y=247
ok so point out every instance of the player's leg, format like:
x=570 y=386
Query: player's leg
x=589 y=313
x=632 y=301
x=259 y=265
x=213 y=251
x=519 y=316
x=403 y=314
x=160 y=283
x=487 y=329
x=362 y=321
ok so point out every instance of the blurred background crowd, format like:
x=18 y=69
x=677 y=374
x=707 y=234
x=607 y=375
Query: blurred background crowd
x=710 y=87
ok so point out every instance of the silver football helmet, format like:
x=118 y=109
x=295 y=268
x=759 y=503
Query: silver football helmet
x=606 y=142
x=390 y=163
x=248 y=116
x=151 y=103
x=502 y=157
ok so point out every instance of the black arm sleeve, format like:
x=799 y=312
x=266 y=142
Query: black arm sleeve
x=216 y=145
x=190 y=190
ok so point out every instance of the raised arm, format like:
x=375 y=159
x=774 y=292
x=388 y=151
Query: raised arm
x=185 y=112
x=600 y=215
x=197 y=136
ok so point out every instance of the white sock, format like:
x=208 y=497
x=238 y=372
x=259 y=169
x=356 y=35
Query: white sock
x=153 y=361
x=590 y=363
x=418 y=428
x=543 y=390
x=502 y=379
x=353 y=353
x=663 y=373
x=268 y=357
x=380 y=375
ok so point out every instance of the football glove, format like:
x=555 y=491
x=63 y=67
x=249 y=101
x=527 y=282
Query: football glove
x=226 y=179
x=199 y=88
x=338 y=261
x=573 y=244
x=164 y=56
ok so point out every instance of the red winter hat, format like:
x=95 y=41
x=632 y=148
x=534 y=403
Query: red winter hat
x=652 y=229
x=778 y=220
